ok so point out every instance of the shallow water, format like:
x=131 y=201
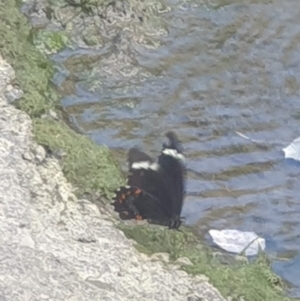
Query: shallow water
x=216 y=71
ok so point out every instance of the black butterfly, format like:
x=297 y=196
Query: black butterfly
x=155 y=190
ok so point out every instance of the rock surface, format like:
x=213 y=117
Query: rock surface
x=56 y=247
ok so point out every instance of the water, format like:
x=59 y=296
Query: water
x=211 y=72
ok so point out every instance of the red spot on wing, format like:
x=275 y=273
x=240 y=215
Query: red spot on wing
x=138 y=217
x=138 y=191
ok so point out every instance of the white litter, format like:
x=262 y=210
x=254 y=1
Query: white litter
x=292 y=151
x=236 y=241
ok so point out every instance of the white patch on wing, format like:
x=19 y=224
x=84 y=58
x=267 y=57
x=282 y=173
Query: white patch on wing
x=173 y=153
x=141 y=165
x=154 y=166
x=145 y=165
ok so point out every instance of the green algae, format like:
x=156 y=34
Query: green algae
x=50 y=42
x=234 y=277
x=32 y=69
x=89 y=167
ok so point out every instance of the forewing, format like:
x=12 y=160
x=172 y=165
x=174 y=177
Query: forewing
x=143 y=172
x=171 y=162
x=135 y=155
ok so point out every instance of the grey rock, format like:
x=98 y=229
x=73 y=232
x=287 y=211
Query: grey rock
x=184 y=261
x=160 y=257
x=13 y=94
x=56 y=247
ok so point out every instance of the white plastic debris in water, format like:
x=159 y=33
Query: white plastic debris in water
x=236 y=241
x=292 y=151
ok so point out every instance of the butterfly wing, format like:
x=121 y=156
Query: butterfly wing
x=137 y=156
x=139 y=198
x=171 y=162
x=155 y=191
x=124 y=202
x=143 y=172
x=134 y=203
x=163 y=181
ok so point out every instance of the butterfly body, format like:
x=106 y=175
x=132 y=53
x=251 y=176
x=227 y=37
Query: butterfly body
x=155 y=190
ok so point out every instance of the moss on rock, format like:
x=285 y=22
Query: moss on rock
x=88 y=166
x=32 y=69
x=49 y=42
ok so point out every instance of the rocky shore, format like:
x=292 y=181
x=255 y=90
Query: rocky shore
x=54 y=246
